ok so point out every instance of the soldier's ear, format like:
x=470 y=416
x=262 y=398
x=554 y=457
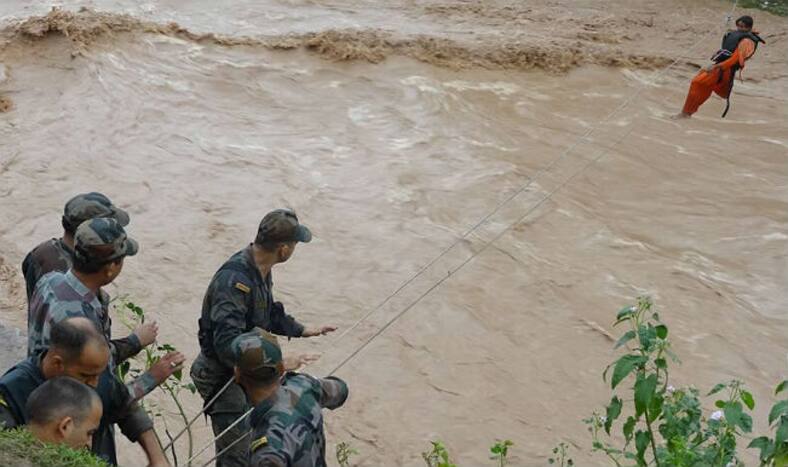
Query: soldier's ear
x=58 y=363
x=64 y=427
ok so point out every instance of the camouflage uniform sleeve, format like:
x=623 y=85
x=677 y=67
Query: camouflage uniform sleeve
x=275 y=448
x=228 y=312
x=333 y=392
x=134 y=422
x=284 y=324
x=125 y=348
x=31 y=273
x=139 y=387
x=124 y=410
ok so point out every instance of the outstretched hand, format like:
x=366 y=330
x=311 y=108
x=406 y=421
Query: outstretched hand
x=147 y=333
x=319 y=331
x=295 y=362
x=167 y=366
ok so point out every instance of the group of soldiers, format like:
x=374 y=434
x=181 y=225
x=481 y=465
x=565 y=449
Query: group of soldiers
x=67 y=390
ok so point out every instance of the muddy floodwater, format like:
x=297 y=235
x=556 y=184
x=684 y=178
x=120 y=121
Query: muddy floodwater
x=393 y=128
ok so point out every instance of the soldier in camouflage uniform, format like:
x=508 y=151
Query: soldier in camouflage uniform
x=57 y=255
x=100 y=246
x=77 y=350
x=238 y=299
x=287 y=420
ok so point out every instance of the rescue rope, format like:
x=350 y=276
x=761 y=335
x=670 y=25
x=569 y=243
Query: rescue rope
x=515 y=195
x=482 y=221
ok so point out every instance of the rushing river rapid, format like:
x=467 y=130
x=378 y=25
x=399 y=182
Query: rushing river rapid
x=393 y=128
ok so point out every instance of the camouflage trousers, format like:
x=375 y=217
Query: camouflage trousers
x=209 y=377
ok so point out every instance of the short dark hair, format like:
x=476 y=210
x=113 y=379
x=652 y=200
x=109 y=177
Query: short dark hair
x=68 y=226
x=90 y=266
x=263 y=377
x=60 y=397
x=746 y=19
x=71 y=335
x=268 y=245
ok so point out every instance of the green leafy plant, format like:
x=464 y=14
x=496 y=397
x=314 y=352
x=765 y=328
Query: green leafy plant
x=19 y=448
x=665 y=426
x=344 y=452
x=560 y=457
x=774 y=451
x=438 y=456
x=500 y=451
x=132 y=315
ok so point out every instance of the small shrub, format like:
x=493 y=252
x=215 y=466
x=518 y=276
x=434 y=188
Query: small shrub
x=19 y=445
x=438 y=456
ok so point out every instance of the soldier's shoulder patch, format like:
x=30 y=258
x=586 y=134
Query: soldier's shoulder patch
x=3 y=402
x=242 y=287
x=258 y=443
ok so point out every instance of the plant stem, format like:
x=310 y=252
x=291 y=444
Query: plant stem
x=651 y=437
x=185 y=418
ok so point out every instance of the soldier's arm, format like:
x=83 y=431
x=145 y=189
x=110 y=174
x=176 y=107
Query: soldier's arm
x=275 y=448
x=29 y=271
x=125 y=412
x=228 y=313
x=134 y=422
x=333 y=392
x=284 y=324
x=125 y=348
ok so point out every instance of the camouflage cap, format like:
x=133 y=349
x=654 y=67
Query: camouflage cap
x=103 y=240
x=90 y=206
x=282 y=225
x=255 y=351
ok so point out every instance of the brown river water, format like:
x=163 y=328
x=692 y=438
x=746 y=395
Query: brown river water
x=393 y=128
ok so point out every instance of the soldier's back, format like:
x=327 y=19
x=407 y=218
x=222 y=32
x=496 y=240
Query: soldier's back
x=48 y=256
x=288 y=431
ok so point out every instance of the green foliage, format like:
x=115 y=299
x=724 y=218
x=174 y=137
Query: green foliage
x=344 y=453
x=559 y=456
x=132 y=315
x=774 y=451
x=18 y=446
x=665 y=426
x=438 y=456
x=500 y=451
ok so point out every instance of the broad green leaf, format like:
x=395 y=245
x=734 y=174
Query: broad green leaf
x=781 y=387
x=628 y=336
x=777 y=410
x=625 y=313
x=662 y=331
x=613 y=411
x=717 y=389
x=733 y=413
x=641 y=443
x=748 y=400
x=764 y=444
x=720 y=404
x=624 y=367
x=661 y=363
x=644 y=392
x=629 y=426
x=646 y=335
x=655 y=407
x=745 y=423
x=782 y=431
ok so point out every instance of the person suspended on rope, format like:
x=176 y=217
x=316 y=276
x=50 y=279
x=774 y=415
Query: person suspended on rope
x=239 y=298
x=287 y=420
x=738 y=46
